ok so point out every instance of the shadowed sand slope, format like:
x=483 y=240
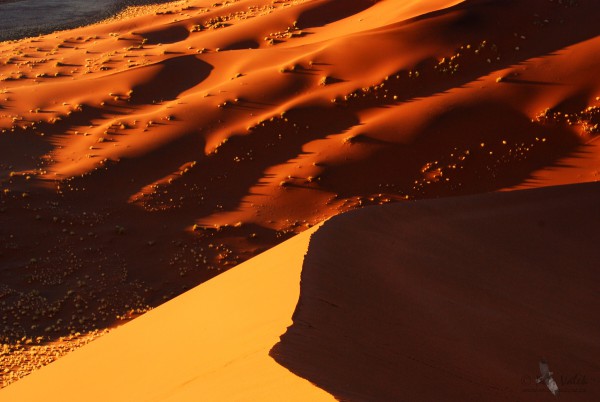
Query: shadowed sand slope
x=454 y=299
x=210 y=344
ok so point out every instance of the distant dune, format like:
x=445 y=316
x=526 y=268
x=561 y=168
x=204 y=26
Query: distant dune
x=145 y=155
x=26 y=18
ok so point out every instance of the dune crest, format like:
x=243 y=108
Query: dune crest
x=454 y=299
x=209 y=344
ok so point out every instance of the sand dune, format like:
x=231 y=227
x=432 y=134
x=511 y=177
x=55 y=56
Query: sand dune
x=454 y=299
x=144 y=155
x=210 y=344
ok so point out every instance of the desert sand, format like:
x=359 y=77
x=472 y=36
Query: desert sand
x=452 y=299
x=211 y=344
x=146 y=154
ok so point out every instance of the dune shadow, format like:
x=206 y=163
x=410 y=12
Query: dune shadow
x=331 y=11
x=272 y=143
x=472 y=22
x=175 y=75
x=242 y=45
x=437 y=300
x=170 y=34
x=529 y=82
x=479 y=148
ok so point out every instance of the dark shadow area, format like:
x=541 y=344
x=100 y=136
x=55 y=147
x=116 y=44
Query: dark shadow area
x=19 y=151
x=331 y=80
x=527 y=82
x=171 y=34
x=175 y=76
x=331 y=11
x=472 y=22
x=269 y=144
x=245 y=44
x=108 y=257
x=467 y=150
x=27 y=141
x=454 y=299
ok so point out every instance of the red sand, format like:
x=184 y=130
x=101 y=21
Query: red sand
x=454 y=299
x=141 y=157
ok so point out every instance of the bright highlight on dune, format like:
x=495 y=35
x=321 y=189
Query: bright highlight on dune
x=210 y=344
x=149 y=153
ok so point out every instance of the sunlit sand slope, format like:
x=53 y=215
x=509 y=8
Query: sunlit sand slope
x=210 y=344
x=455 y=299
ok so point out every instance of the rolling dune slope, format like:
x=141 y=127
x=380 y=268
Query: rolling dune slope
x=454 y=299
x=146 y=154
x=210 y=344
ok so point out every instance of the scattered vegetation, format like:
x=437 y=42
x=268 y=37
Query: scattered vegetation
x=587 y=119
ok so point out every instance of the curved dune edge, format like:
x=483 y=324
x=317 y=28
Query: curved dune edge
x=209 y=344
x=454 y=299
x=449 y=299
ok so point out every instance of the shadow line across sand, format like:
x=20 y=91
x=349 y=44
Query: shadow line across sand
x=453 y=299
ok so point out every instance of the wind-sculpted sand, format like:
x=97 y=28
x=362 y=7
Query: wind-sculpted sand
x=454 y=299
x=144 y=155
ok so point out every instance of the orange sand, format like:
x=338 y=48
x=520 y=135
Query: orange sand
x=143 y=156
x=453 y=299
x=210 y=344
